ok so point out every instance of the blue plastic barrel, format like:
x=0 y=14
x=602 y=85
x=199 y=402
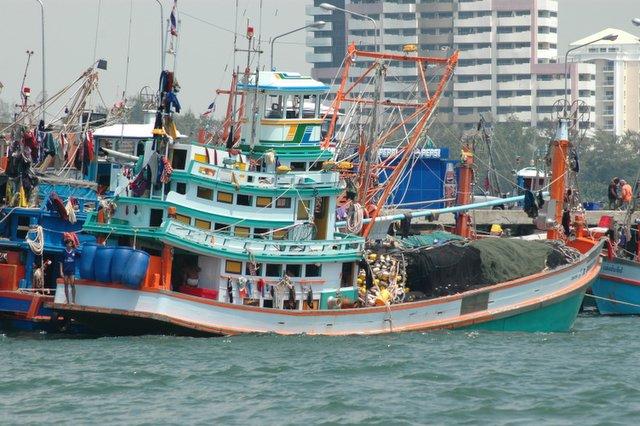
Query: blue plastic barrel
x=102 y=263
x=119 y=262
x=136 y=269
x=86 y=261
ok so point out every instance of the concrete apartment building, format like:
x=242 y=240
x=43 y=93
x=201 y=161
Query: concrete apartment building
x=617 y=78
x=508 y=54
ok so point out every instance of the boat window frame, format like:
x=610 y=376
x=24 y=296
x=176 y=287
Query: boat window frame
x=223 y=201
x=231 y=261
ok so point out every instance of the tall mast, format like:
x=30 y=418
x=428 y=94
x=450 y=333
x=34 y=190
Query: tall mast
x=559 y=152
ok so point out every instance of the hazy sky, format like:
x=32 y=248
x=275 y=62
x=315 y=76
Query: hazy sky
x=205 y=50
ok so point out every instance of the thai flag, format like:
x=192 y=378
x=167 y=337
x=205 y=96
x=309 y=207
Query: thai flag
x=172 y=19
x=210 y=109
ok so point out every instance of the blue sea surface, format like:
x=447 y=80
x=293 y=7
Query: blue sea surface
x=588 y=376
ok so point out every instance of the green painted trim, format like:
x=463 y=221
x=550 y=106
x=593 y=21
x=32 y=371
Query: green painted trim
x=557 y=317
x=188 y=177
x=288 y=152
x=212 y=217
x=346 y=256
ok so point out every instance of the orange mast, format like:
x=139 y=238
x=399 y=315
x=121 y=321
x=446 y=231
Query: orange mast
x=463 y=220
x=559 y=151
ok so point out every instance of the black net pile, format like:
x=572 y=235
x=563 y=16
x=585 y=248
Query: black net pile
x=455 y=268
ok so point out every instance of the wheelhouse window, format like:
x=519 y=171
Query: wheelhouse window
x=203 y=224
x=312 y=270
x=242 y=231
x=274 y=106
x=181 y=188
x=294 y=270
x=283 y=203
x=298 y=166
x=263 y=201
x=233 y=267
x=179 y=159
x=303 y=209
x=184 y=219
x=311 y=106
x=244 y=200
x=260 y=233
x=225 y=197
x=253 y=270
x=220 y=227
x=273 y=270
x=204 y=193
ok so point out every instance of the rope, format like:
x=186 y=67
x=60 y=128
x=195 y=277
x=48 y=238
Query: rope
x=613 y=301
x=36 y=245
x=355 y=218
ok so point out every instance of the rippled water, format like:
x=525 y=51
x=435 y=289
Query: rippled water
x=589 y=376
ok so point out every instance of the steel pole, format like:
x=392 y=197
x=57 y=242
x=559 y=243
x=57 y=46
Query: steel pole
x=44 y=68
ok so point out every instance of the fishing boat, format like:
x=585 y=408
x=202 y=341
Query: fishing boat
x=47 y=194
x=245 y=238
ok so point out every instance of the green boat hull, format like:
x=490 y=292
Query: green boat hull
x=557 y=317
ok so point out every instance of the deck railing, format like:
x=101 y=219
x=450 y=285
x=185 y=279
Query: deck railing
x=192 y=235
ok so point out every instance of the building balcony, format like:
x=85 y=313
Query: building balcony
x=550 y=38
x=482 y=21
x=474 y=6
x=314 y=58
x=472 y=38
x=479 y=101
x=476 y=53
x=474 y=69
x=514 y=69
x=473 y=85
x=312 y=41
x=515 y=37
x=514 y=21
x=523 y=52
x=514 y=85
x=312 y=10
x=524 y=100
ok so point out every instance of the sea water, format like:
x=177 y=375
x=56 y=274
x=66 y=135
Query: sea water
x=588 y=376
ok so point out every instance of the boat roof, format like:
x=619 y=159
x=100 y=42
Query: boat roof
x=281 y=81
x=134 y=131
x=623 y=38
x=531 y=172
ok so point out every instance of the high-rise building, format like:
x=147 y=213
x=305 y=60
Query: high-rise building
x=617 y=78
x=328 y=44
x=508 y=63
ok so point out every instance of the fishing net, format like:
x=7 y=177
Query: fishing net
x=430 y=239
x=457 y=267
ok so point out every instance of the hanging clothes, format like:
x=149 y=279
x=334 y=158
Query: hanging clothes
x=167 y=170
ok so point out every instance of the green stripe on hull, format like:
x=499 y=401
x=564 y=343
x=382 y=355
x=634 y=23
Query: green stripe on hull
x=558 y=317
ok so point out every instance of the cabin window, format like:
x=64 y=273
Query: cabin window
x=140 y=148
x=263 y=201
x=273 y=107
x=183 y=219
x=283 y=203
x=203 y=224
x=233 y=267
x=155 y=217
x=280 y=234
x=181 y=188
x=244 y=200
x=310 y=106
x=220 y=227
x=272 y=270
x=294 y=109
x=260 y=233
x=179 y=159
x=242 y=231
x=298 y=166
x=312 y=270
x=225 y=197
x=294 y=270
x=314 y=167
x=200 y=158
x=248 y=270
x=205 y=193
x=303 y=209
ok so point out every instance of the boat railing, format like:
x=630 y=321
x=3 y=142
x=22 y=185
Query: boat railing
x=261 y=179
x=210 y=239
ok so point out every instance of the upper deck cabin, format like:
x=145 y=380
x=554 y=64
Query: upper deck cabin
x=287 y=113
